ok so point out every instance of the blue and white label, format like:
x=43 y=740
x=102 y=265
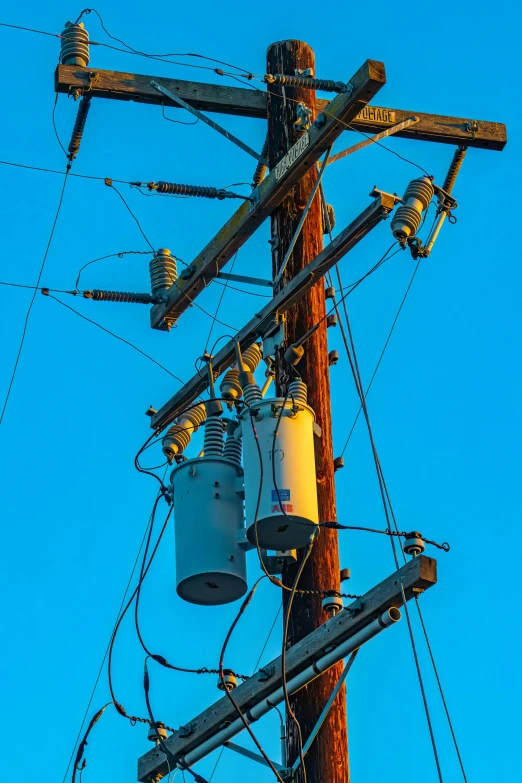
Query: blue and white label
x=282 y=495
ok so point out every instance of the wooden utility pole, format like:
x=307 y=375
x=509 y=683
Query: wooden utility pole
x=327 y=759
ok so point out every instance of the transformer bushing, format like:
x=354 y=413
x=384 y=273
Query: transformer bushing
x=407 y=219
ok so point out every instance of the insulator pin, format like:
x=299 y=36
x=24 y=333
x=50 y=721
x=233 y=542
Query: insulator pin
x=163 y=271
x=79 y=127
x=75 y=45
x=229 y=681
x=327 y=85
x=121 y=296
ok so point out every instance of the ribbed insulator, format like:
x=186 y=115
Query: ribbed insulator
x=230 y=387
x=163 y=271
x=328 y=85
x=121 y=296
x=188 y=190
x=79 y=127
x=178 y=436
x=213 y=441
x=454 y=169
x=252 y=356
x=407 y=218
x=252 y=394
x=75 y=45
x=260 y=172
x=298 y=391
x=232 y=450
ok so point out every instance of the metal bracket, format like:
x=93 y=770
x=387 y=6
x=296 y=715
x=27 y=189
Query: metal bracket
x=304 y=116
x=186 y=731
x=204 y=118
x=324 y=713
x=245 y=279
x=265 y=673
x=372 y=139
x=254 y=756
x=355 y=607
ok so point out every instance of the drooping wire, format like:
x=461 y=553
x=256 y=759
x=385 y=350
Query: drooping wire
x=178 y=122
x=111 y=255
x=100 y=670
x=121 y=339
x=94 y=720
x=267 y=639
x=35 y=292
x=53 y=116
x=110 y=184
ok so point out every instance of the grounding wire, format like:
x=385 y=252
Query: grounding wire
x=223 y=291
x=111 y=255
x=34 y=294
x=113 y=334
x=267 y=638
x=109 y=183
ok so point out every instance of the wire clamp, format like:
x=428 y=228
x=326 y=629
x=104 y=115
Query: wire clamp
x=265 y=673
x=186 y=731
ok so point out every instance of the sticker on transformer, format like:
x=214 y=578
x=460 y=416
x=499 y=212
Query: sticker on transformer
x=280 y=495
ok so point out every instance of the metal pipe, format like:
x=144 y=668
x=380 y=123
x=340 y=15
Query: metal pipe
x=449 y=182
x=388 y=618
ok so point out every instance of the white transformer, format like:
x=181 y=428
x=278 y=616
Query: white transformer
x=208 y=519
x=286 y=488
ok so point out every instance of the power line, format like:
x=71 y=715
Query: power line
x=382 y=352
x=34 y=294
x=131 y=345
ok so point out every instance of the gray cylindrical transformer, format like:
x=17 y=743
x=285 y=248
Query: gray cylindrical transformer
x=208 y=519
x=285 y=496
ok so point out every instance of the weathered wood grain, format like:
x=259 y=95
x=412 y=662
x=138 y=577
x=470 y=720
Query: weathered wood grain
x=268 y=195
x=121 y=86
x=419 y=573
x=281 y=303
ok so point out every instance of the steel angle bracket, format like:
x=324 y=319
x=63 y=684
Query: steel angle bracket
x=204 y=118
x=373 y=139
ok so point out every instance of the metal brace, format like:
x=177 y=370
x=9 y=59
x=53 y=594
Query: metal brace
x=204 y=118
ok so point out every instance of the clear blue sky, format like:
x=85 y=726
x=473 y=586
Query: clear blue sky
x=445 y=405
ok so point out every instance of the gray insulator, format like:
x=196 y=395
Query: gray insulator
x=157 y=734
x=163 y=271
x=332 y=603
x=178 y=436
x=309 y=84
x=407 y=218
x=252 y=394
x=213 y=441
x=75 y=45
x=177 y=189
x=79 y=127
x=230 y=387
x=232 y=450
x=414 y=544
x=456 y=163
x=98 y=295
x=298 y=391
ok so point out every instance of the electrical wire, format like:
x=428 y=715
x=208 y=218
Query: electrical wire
x=178 y=122
x=228 y=692
x=289 y=709
x=382 y=352
x=109 y=183
x=56 y=171
x=34 y=294
x=113 y=334
x=111 y=255
x=53 y=116
x=40 y=288
x=267 y=638
x=83 y=743
x=219 y=304
x=100 y=670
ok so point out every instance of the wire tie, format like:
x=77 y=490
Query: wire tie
x=45 y=291
x=108 y=182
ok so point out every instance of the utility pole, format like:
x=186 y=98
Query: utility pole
x=327 y=759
